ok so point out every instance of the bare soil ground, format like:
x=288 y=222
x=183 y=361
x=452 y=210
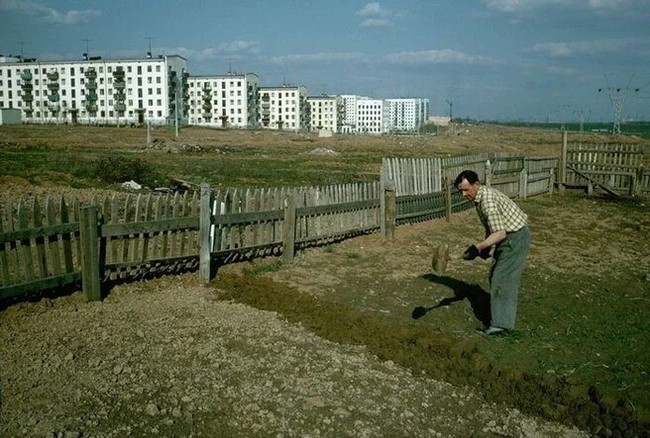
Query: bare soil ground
x=328 y=346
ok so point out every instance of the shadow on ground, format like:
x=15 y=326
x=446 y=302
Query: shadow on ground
x=438 y=354
x=479 y=298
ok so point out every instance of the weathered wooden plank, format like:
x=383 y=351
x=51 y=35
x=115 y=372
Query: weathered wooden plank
x=40 y=284
x=53 y=240
x=4 y=260
x=41 y=261
x=24 y=245
x=66 y=237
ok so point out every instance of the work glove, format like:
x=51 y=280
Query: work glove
x=471 y=253
x=485 y=253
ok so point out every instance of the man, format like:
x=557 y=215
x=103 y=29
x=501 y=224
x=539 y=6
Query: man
x=506 y=229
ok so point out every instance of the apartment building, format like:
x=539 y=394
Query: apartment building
x=370 y=117
x=325 y=113
x=227 y=101
x=283 y=108
x=406 y=115
x=349 y=125
x=96 y=91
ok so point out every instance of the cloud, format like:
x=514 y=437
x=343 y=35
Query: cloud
x=375 y=15
x=317 y=58
x=527 y=5
x=373 y=9
x=375 y=22
x=444 y=56
x=228 y=50
x=573 y=48
x=50 y=15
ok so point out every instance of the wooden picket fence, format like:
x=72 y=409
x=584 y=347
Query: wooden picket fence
x=126 y=237
x=615 y=168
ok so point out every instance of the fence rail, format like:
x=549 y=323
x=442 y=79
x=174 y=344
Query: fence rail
x=122 y=238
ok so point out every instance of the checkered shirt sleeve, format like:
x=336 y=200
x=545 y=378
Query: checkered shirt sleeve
x=498 y=212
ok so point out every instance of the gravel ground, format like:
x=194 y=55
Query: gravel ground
x=168 y=358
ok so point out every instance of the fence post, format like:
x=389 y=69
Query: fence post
x=638 y=181
x=205 y=223
x=563 y=163
x=488 y=173
x=88 y=235
x=447 y=188
x=523 y=183
x=551 y=180
x=389 y=209
x=289 y=228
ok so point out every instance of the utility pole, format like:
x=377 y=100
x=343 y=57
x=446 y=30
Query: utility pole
x=87 y=48
x=451 y=118
x=149 y=54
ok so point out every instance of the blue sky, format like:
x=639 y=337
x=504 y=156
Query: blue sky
x=493 y=59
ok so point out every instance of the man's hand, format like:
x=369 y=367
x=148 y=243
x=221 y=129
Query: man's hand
x=485 y=253
x=471 y=253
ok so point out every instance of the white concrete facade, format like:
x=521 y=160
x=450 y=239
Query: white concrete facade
x=406 y=115
x=96 y=91
x=227 y=101
x=283 y=108
x=371 y=117
x=325 y=113
x=350 y=121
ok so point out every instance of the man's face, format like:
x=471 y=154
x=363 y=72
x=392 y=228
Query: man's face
x=468 y=190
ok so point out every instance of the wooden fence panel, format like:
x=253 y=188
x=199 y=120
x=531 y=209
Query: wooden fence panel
x=452 y=166
x=159 y=233
x=413 y=176
x=613 y=165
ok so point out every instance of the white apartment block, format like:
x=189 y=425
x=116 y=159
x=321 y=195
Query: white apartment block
x=325 y=113
x=371 y=117
x=406 y=115
x=227 y=101
x=349 y=125
x=96 y=91
x=283 y=108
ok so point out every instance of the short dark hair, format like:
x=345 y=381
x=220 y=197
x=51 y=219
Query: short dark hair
x=469 y=175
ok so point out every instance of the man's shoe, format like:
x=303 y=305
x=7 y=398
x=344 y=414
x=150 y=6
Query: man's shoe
x=493 y=331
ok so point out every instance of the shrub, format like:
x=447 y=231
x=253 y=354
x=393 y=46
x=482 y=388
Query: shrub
x=118 y=169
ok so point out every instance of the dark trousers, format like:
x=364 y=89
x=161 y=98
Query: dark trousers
x=505 y=276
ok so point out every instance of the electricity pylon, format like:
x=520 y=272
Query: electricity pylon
x=617 y=97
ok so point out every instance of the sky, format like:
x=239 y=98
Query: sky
x=525 y=60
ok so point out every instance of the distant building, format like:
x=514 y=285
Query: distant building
x=283 y=108
x=371 y=117
x=406 y=115
x=439 y=120
x=325 y=113
x=227 y=101
x=349 y=125
x=96 y=91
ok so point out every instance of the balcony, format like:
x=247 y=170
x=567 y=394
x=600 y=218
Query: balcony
x=26 y=75
x=53 y=86
x=53 y=76
x=91 y=85
x=91 y=74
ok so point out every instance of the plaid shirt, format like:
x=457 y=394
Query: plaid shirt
x=498 y=212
